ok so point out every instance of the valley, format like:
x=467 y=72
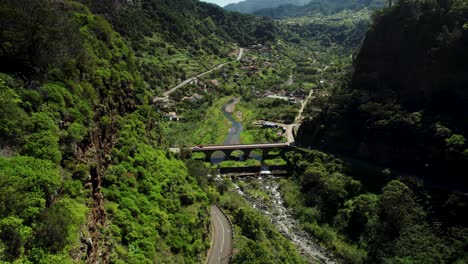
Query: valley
x=286 y=131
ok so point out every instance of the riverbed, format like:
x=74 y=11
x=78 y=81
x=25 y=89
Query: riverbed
x=233 y=136
x=283 y=218
x=274 y=206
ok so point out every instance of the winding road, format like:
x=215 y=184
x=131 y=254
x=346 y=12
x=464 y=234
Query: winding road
x=221 y=247
x=238 y=58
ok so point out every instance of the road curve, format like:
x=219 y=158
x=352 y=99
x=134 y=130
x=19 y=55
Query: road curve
x=221 y=247
x=241 y=52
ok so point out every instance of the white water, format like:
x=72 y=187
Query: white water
x=283 y=219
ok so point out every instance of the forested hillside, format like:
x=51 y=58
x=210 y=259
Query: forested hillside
x=87 y=176
x=84 y=173
x=406 y=102
x=174 y=39
x=251 y=6
x=319 y=7
x=371 y=216
x=397 y=121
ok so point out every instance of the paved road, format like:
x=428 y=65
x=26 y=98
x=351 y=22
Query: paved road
x=167 y=93
x=241 y=53
x=221 y=247
x=304 y=103
x=239 y=57
x=297 y=121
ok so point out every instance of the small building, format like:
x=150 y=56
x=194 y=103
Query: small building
x=278 y=97
x=214 y=82
x=172 y=116
x=268 y=124
x=160 y=100
x=197 y=96
x=193 y=98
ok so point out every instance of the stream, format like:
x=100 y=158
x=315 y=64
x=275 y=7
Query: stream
x=236 y=129
x=233 y=136
x=273 y=207
x=283 y=218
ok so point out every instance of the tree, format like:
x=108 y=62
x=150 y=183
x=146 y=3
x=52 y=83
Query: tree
x=12 y=117
x=14 y=236
x=359 y=215
x=397 y=207
x=397 y=212
x=60 y=224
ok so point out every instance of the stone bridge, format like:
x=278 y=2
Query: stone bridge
x=245 y=148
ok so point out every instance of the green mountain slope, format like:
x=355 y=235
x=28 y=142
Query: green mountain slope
x=342 y=31
x=406 y=104
x=251 y=6
x=175 y=39
x=319 y=6
x=84 y=172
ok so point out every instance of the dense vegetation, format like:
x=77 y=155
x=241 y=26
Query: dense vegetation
x=400 y=110
x=406 y=102
x=61 y=93
x=256 y=238
x=372 y=216
x=157 y=211
x=319 y=7
x=175 y=39
x=84 y=172
x=251 y=6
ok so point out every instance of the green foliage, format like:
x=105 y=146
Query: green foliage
x=397 y=207
x=75 y=104
x=205 y=125
x=316 y=6
x=410 y=120
x=253 y=6
x=174 y=40
x=14 y=236
x=257 y=239
x=74 y=75
x=60 y=224
x=358 y=215
x=33 y=217
x=344 y=30
x=157 y=210
x=43 y=143
x=391 y=226
x=28 y=185
x=12 y=118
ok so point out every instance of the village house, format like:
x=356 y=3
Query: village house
x=172 y=116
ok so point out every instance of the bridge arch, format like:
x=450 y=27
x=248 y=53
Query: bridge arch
x=238 y=154
x=203 y=156
x=243 y=152
x=272 y=153
x=257 y=154
x=217 y=156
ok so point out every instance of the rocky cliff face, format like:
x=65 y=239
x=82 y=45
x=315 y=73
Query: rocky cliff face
x=405 y=106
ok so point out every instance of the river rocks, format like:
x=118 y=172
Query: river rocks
x=281 y=216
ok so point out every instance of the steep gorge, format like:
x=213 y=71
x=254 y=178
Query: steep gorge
x=405 y=105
